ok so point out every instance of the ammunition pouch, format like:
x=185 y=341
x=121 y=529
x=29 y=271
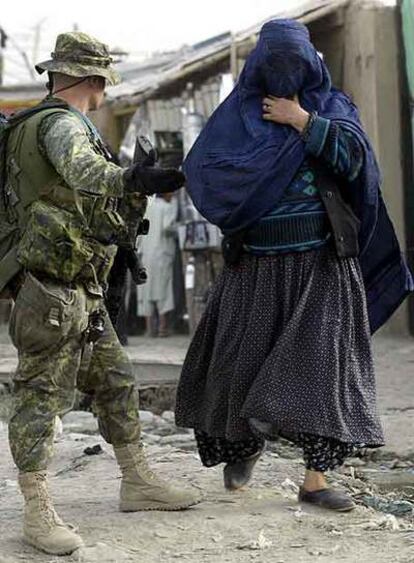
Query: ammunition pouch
x=53 y=243
x=107 y=226
x=99 y=266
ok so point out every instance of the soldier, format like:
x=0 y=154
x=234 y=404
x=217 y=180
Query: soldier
x=64 y=193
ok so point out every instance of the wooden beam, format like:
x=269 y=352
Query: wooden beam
x=233 y=59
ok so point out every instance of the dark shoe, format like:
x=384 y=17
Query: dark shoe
x=327 y=498
x=238 y=474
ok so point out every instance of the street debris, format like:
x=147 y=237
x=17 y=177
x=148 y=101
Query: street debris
x=257 y=545
x=385 y=522
x=290 y=487
x=389 y=506
x=299 y=514
x=93 y=450
x=324 y=552
x=103 y=552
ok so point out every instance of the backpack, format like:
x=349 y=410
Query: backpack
x=10 y=233
x=9 y=229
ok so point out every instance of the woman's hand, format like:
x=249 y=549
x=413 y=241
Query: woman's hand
x=285 y=112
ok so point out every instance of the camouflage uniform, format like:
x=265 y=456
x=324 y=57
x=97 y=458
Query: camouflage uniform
x=61 y=290
x=48 y=372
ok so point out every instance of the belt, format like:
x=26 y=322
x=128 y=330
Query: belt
x=288 y=231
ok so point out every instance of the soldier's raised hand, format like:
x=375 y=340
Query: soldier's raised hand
x=149 y=181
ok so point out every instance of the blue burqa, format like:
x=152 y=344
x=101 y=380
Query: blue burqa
x=241 y=165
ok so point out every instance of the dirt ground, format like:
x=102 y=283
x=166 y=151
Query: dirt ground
x=263 y=523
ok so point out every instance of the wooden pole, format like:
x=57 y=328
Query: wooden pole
x=233 y=59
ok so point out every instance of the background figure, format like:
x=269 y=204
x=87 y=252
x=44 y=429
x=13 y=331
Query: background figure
x=157 y=251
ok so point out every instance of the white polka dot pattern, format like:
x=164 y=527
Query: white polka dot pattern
x=285 y=339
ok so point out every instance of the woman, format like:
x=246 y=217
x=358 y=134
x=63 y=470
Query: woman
x=285 y=169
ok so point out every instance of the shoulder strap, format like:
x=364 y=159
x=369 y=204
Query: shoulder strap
x=94 y=135
x=48 y=105
x=345 y=224
x=21 y=116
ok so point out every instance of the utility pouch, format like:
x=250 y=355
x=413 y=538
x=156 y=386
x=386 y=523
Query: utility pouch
x=43 y=315
x=101 y=262
x=107 y=226
x=53 y=243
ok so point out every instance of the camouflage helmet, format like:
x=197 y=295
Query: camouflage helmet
x=79 y=54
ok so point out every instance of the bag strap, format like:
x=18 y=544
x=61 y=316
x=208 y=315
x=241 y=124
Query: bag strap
x=345 y=224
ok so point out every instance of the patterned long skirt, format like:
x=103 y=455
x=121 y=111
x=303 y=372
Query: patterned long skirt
x=283 y=349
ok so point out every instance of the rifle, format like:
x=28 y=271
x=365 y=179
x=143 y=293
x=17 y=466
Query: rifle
x=132 y=209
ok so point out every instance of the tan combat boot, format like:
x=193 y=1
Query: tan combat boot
x=42 y=527
x=141 y=489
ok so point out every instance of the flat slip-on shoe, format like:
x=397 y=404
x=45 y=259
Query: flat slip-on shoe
x=327 y=498
x=238 y=474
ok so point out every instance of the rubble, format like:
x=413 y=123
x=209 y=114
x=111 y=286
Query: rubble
x=146 y=418
x=169 y=417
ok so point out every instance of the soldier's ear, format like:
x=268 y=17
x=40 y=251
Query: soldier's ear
x=97 y=82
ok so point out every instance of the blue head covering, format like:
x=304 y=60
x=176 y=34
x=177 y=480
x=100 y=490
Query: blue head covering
x=241 y=165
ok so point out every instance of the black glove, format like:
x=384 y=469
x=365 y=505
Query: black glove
x=149 y=181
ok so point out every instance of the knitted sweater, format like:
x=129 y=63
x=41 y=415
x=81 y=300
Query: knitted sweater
x=299 y=222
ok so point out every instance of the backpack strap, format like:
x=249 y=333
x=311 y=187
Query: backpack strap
x=52 y=104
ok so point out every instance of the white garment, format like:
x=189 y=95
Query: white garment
x=157 y=251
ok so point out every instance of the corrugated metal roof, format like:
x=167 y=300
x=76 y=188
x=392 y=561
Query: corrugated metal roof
x=155 y=71
x=21 y=92
x=146 y=80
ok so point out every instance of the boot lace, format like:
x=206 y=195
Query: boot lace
x=47 y=512
x=143 y=468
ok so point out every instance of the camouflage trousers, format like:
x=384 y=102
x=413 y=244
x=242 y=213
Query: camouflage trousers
x=47 y=327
